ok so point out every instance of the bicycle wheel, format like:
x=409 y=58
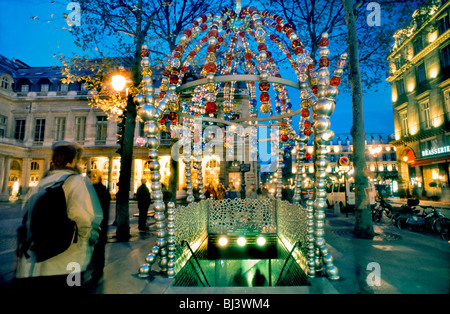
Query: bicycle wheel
x=441 y=226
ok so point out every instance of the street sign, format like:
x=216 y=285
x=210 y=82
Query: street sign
x=344 y=161
x=245 y=167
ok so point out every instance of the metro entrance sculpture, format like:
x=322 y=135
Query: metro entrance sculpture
x=240 y=46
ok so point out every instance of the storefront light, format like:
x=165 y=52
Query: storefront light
x=241 y=241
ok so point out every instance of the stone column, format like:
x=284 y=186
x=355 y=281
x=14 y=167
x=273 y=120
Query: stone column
x=25 y=177
x=110 y=167
x=4 y=196
x=2 y=171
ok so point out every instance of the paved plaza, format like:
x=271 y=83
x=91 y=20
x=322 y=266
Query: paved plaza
x=408 y=262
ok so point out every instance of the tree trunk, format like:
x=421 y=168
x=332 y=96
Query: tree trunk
x=363 y=219
x=126 y=158
x=122 y=202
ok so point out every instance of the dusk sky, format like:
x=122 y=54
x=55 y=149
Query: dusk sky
x=35 y=30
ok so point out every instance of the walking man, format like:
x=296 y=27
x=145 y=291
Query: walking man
x=143 y=198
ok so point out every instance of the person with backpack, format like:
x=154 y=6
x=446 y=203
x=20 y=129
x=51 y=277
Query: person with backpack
x=60 y=228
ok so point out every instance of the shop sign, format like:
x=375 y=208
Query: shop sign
x=436 y=151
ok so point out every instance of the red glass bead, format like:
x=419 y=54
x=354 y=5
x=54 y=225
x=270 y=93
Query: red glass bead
x=305 y=112
x=210 y=67
x=335 y=81
x=203 y=27
x=264 y=86
x=187 y=32
x=204 y=18
x=183 y=69
x=324 y=62
x=307 y=131
x=166 y=73
x=248 y=55
x=262 y=46
x=210 y=107
x=324 y=42
x=284 y=138
x=298 y=50
x=192 y=53
x=296 y=43
x=315 y=89
x=307 y=124
x=273 y=37
x=308 y=155
x=311 y=67
x=173 y=79
x=264 y=96
x=213 y=33
x=173 y=116
x=211 y=48
x=162 y=94
x=278 y=28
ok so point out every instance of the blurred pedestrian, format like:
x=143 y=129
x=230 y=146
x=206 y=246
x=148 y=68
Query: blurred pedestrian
x=144 y=200
x=251 y=192
x=258 y=280
x=66 y=271
x=98 y=257
x=220 y=192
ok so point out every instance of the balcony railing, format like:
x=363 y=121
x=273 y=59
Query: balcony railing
x=423 y=129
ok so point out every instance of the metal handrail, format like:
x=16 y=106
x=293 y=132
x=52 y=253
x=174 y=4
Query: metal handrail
x=195 y=257
x=287 y=259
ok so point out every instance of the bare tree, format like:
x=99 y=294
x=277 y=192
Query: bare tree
x=120 y=28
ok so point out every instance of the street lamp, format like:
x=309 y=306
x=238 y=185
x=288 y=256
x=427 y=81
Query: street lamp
x=118 y=82
x=374 y=151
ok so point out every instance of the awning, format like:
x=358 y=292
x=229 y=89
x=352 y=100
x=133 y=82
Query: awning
x=430 y=161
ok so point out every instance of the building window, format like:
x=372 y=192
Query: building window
x=101 y=128
x=64 y=87
x=425 y=112
x=45 y=87
x=34 y=165
x=60 y=127
x=400 y=87
x=399 y=62
x=80 y=128
x=447 y=100
x=164 y=138
x=421 y=74
x=418 y=46
x=3 y=126
x=446 y=57
x=19 y=130
x=393 y=156
x=404 y=122
x=444 y=24
x=5 y=83
x=25 y=88
x=39 y=131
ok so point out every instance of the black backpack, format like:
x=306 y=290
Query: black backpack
x=46 y=229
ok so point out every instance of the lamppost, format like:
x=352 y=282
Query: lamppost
x=374 y=151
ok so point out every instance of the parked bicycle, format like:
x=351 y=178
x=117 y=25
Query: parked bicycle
x=383 y=206
x=422 y=220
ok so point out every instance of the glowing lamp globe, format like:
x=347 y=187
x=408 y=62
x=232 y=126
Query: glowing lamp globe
x=118 y=82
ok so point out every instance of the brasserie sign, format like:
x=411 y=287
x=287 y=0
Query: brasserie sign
x=436 y=151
